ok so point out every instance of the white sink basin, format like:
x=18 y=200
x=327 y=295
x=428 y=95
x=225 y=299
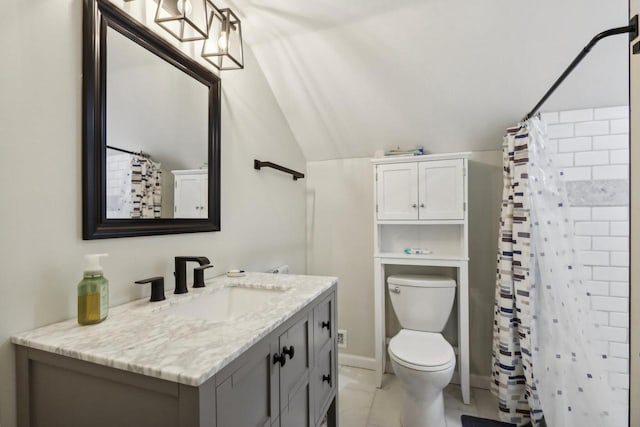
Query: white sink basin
x=227 y=303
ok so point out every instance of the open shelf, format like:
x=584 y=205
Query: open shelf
x=433 y=257
x=445 y=241
x=421 y=222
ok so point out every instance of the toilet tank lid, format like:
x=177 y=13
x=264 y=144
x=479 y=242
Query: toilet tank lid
x=421 y=281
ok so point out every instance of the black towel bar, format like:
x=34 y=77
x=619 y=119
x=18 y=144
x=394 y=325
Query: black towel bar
x=257 y=164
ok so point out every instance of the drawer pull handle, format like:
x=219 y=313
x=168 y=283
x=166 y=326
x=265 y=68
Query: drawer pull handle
x=326 y=325
x=327 y=379
x=279 y=358
x=291 y=351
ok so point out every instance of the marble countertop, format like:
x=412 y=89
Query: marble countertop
x=141 y=337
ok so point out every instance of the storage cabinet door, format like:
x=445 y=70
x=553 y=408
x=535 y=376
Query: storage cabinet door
x=397 y=191
x=294 y=345
x=249 y=396
x=441 y=189
x=188 y=196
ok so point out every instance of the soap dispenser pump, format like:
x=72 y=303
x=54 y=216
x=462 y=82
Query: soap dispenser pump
x=93 y=292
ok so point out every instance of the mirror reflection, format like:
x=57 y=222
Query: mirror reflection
x=157 y=141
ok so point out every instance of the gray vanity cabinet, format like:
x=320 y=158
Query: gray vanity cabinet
x=257 y=389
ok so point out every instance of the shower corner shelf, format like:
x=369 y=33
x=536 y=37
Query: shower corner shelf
x=422 y=202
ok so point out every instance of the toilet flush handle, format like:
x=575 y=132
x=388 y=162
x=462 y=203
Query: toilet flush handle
x=395 y=290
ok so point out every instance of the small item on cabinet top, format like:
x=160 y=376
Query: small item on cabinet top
x=417 y=251
x=236 y=273
x=415 y=151
x=93 y=292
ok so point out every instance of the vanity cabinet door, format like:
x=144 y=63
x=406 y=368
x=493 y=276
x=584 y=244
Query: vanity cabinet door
x=441 y=189
x=397 y=191
x=294 y=346
x=323 y=327
x=298 y=412
x=324 y=379
x=249 y=396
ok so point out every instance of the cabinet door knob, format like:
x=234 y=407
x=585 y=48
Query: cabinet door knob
x=327 y=379
x=414 y=205
x=291 y=351
x=422 y=205
x=279 y=358
x=326 y=325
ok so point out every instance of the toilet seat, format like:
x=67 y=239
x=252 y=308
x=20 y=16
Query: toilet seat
x=422 y=351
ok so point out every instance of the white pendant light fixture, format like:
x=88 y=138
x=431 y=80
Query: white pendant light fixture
x=186 y=20
x=223 y=46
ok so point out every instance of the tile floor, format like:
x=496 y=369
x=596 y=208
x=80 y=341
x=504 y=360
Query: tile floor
x=363 y=405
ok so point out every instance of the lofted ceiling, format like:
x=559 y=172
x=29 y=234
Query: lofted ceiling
x=353 y=77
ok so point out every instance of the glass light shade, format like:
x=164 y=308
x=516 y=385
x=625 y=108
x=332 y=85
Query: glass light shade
x=185 y=20
x=223 y=47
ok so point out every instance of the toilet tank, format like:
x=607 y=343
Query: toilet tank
x=422 y=303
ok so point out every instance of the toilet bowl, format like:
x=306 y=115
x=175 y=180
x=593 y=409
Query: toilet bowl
x=421 y=358
x=424 y=363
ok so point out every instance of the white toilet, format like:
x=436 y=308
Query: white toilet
x=421 y=358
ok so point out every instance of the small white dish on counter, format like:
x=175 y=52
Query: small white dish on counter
x=236 y=273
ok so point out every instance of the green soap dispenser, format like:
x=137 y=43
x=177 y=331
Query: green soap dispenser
x=93 y=292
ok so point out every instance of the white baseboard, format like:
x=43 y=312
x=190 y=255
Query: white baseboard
x=356 y=361
x=477 y=381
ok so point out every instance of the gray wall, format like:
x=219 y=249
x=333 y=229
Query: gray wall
x=263 y=213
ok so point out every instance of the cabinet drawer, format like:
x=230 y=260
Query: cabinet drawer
x=324 y=379
x=323 y=323
x=294 y=346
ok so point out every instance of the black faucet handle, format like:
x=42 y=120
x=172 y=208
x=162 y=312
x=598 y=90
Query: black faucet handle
x=198 y=275
x=202 y=260
x=157 y=287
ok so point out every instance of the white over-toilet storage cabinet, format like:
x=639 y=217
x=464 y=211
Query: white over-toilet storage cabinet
x=421 y=202
x=191 y=188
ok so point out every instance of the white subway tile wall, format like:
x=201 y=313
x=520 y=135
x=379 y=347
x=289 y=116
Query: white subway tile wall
x=119 y=186
x=593 y=144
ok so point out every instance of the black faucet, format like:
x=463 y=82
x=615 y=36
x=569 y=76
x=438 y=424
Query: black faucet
x=181 y=271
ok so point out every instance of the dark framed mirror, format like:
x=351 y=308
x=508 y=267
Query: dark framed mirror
x=151 y=132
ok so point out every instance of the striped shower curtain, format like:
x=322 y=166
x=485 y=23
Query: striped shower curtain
x=545 y=352
x=146 y=188
x=512 y=372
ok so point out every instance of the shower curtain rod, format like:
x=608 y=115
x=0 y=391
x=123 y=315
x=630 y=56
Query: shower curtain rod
x=122 y=150
x=632 y=29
